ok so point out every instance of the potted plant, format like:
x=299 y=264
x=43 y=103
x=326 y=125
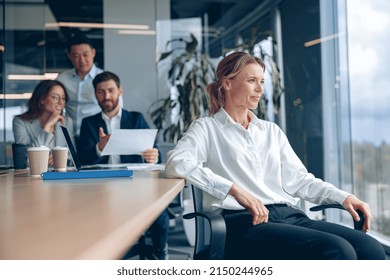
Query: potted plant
x=188 y=76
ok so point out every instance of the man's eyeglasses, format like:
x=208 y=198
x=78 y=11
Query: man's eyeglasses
x=57 y=98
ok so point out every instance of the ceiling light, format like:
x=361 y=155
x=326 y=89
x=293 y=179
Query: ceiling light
x=137 y=32
x=97 y=25
x=26 y=95
x=46 y=76
x=321 y=40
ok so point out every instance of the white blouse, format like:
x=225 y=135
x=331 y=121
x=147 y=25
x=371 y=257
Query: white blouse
x=216 y=152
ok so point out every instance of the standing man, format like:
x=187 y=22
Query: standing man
x=95 y=132
x=78 y=80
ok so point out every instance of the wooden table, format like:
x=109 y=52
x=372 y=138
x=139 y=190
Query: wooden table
x=79 y=219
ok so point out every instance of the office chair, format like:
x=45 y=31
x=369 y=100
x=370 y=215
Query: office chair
x=211 y=229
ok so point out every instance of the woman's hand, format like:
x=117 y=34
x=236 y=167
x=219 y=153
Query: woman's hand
x=255 y=206
x=150 y=155
x=352 y=203
x=50 y=124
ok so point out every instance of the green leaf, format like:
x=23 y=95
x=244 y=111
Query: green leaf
x=165 y=55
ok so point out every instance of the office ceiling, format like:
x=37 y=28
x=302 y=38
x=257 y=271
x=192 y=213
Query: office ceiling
x=222 y=14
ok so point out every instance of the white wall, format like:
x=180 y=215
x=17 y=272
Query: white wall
x=133 y=57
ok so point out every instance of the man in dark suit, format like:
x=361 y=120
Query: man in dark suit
x=95 y=132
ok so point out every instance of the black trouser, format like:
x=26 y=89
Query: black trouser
x=290 y=234
x=159 y=231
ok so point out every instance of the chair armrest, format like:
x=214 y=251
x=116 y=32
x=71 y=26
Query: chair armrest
x=357 y=225
x=217 y=232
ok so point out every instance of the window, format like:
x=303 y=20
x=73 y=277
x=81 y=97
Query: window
x=369 y=70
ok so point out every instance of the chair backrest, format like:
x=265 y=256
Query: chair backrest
x=202 y=233
x=19 y=155
x=210 y=230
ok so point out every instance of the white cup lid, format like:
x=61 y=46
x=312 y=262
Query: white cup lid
x=59 y=148
x=41 y=148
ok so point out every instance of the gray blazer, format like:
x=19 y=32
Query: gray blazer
x=30 y=133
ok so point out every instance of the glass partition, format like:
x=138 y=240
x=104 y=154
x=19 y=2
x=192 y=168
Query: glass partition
x=35 y=41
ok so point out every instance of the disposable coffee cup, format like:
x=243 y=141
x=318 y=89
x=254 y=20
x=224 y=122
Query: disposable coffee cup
x=60 y=158
x=38 y=158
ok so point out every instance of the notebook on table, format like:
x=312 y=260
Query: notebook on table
x=83 y=172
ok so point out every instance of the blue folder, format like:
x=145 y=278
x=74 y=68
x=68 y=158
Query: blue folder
x=96 y=172
x=87 y=174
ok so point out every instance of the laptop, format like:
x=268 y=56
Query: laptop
x=82 y=172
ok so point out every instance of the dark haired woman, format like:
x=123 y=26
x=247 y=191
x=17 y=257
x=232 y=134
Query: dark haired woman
x=39 y=126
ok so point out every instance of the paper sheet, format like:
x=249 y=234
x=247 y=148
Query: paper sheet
x=135 y=166
x=146 y=166
x=129 y=141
